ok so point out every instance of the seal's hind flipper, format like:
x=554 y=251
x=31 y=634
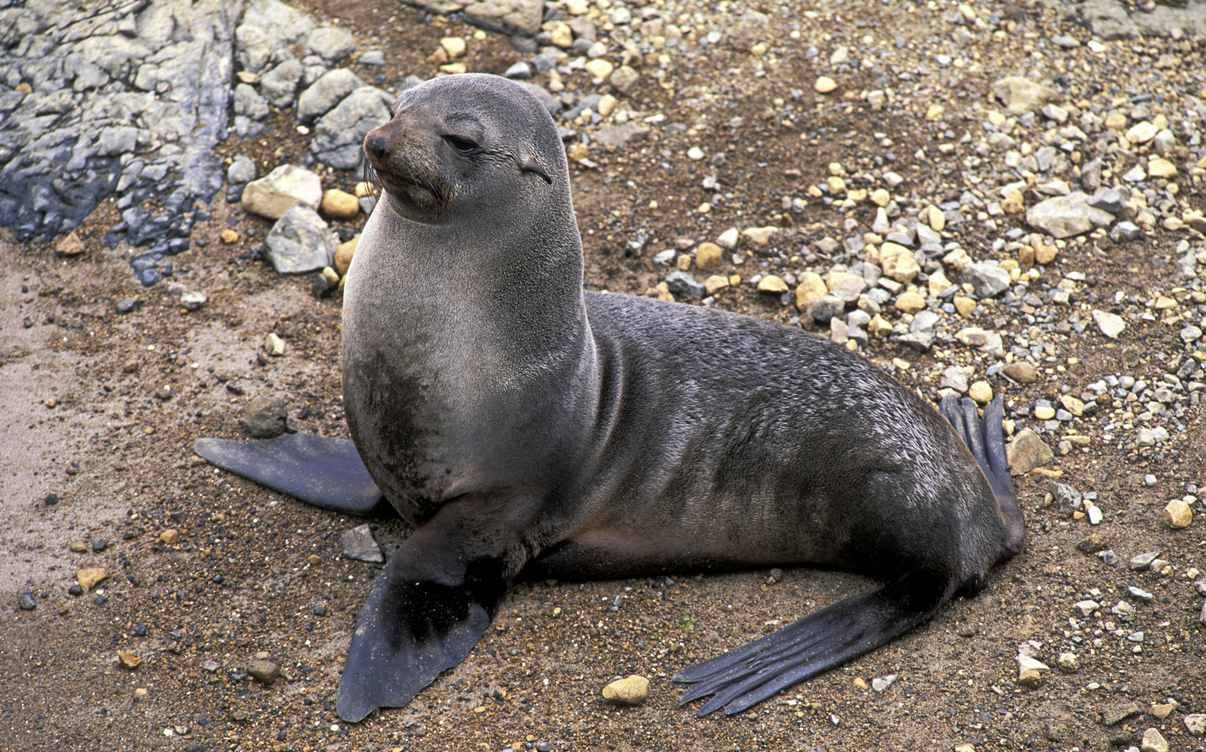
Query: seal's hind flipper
x=832 y=636
x=409 y=632
x=325 y=472
x=984 y=438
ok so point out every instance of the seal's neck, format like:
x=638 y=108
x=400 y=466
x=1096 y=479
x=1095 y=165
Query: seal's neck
x=503 y=298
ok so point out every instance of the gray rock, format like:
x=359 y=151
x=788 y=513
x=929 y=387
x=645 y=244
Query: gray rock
x=1125 y=232
x=520 y=71
x=249 y=103
x=300 y=241
x=286 y=186
x=279 y=85
x=1108 y=199
x=1066 y=216
x=25 y=601
x=619 y=136
x=358 y=544
x=264 y=671
x=682 y=284
x=266 y=417
x=326 y=92
x=331 y=43
x=242 y=170
x=826 y=308
x=338 y=134
x=372 y=57
x=267 y=30
x=988 y=279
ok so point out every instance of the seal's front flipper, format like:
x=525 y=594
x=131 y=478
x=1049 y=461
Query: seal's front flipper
x=325 y=472
x=834 y=635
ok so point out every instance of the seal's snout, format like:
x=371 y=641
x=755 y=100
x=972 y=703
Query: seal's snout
x=375 y=145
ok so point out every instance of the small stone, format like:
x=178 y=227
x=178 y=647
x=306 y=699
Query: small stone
x=1067 y=216
x=266 y=417
x=359 y=545
x=1140 y=562
x=454 y=47
x=772 y=284
x=1195 y=724
x=599 y=69
x=1030 y=671
x=965 y=306
x=169 y=537
x=964 y=748
x=1021 y=372
x=90 y=577
x=1159 y=167
x=988 y=279
x=729 y=238
x=1162 y=710
x=981 y=392
x=1068 y=662
x=631 y=690
x=338 y=204
x=759 y=236
x=228 y=236
x=343 y=255
x=69 y=245
x=1027 y=451
x=1110 y=324
x=1178 y=514
x=1153 y=741
x=1044 y=412
x=280 y=190
x=274 y=345
x=810 y=290
x=708 y=256
x=1141 y=132
x=825 y=85
x=25 y=601
x=1013 y=202
x=715 y=283
x=1087 y=608
x=193 y=300
x=1119 y=712
x=910 y=301
x=264 y=671
x=881 y=683
x=128 y=660
x=300 y=242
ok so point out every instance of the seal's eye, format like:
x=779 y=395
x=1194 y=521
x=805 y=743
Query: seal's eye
x=460 y=143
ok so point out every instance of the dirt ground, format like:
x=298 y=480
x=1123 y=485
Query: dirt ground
x=100 y=410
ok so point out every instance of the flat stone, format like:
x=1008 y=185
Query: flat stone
x=129 y=660
x=266 y=417
x=326 y=92
x=1153 y=741
x=1030 y=671
x=282 y=189
x=1118 y=712
x=1021 y=372
x=1110 y=324
x=1027 y=451
x=1195 y=724
x=1067 y=216
x=988 y=279
x=1020 y=94
x=300 y=241
x=1178 y=514
x=90 y=577
x=358 y=544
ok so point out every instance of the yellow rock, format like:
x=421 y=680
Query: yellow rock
x=878 y=326
x=228 y=235
x=607 y=105
x=760 y=236
x=1045 y=254
x=560 y=34
x=811 y=289
x=1026 y=255
x=881 y=197
x=454 y=47
x=683 y=262
x=981 y=392
x=964 y=748
x=965 y=306
x=1072 y=405
x=935 y=112
x=910 y=301
x=1159 y=167
x=1178 y=514
x=90 y=577
x=339 y=204
x=343 y=255
x=836 y=184
x=1014 y=203
x=364 y=189
x=454 y=68
x=169 y=537
x=129 y=660
x=716 y=283
x=938 y=283
x=631 y=690
x=599 y=69
x=825 y=84
x=772 y=284
x=898 y=262
x=1115 y=121
x=69 y=245
x=935 y=218
x=708 y=256
x=1044 y=412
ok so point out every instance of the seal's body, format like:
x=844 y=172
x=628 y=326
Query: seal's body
x=522 y=424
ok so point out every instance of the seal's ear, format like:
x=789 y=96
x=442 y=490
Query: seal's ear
x=529 y=163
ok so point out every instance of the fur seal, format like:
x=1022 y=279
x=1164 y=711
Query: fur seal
x=522 y=424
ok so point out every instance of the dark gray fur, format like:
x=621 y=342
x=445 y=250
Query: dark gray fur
x=521 y=423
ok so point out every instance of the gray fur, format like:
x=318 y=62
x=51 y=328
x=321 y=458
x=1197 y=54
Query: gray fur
x=613 y=435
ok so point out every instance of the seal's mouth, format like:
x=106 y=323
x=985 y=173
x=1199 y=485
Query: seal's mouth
x=391 y=174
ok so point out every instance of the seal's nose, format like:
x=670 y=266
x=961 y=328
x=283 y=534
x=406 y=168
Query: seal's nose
x=375 y=145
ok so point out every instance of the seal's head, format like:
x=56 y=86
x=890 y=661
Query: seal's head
x=458 y=145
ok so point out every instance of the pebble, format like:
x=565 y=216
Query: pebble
x=1110 y=324
x=631 y=690
x=1195 y=724
x=26 y=601
x=193 y=300
x=1178 y=514
x=1020 y=94
x=980 y=391
x=1021 y=372
x=1028 y=451
x=264 y=671
x=274 y=345
x=358 y=544
x=266 y=417
x=1068 y=662
x=772 y=284
x=300 y=241
x=881 y=683
x=128 y=660
x=825 y=85
x=1118 y=712
x=1067 y=216
x=1030 y=671
x=1153 y=741
x=90 y=577
x=338 y=204
x=280 y=190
